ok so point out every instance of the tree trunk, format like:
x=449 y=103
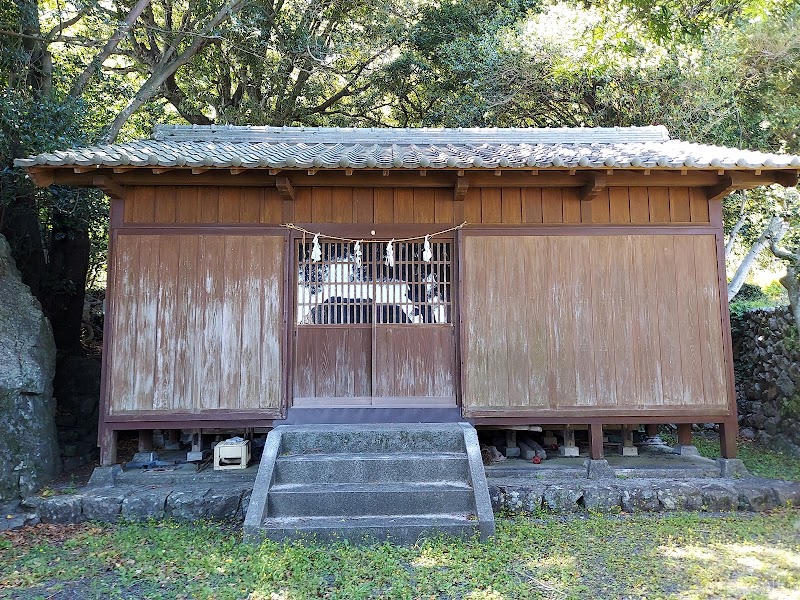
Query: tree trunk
x=63 y=304
x=19 y=223
x=747 y=262
x=791 y=281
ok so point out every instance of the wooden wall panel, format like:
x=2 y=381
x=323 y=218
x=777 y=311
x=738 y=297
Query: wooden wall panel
x=197 y=323
x=333 y=362
x=229 y=205
x=610 y=322
x=414 y=361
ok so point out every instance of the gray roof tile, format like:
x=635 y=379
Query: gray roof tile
x=336 y=148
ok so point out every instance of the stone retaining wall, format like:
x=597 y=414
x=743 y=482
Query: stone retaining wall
x=767 y=361
x=512 y=495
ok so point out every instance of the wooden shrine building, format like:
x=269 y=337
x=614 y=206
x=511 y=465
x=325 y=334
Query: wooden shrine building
x=570 y=276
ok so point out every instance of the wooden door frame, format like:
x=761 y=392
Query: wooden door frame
x=365 y=232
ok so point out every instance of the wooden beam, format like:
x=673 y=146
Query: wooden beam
x=237 y=170
x=42 y=177
x=85 y=169
x=595 y=185
x=721 y=189
x=161 y=170
x=460 y=189
x=285 y=188
x=111 y=188
x=787 y=179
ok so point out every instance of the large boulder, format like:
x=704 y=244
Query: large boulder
x=29 y=456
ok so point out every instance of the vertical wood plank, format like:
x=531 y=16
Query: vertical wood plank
x=491 y=208
x=342 y=205
x=321 y=205
x=648 y=353
x=583 y=318
x=384 y=205
x=144 y=334
x=212 y=254
x=712 y=348
x=535 y=303
x=571 y=205
x=603 y=265
x=209 y=205
x=443 y=206
x=625 y=330
x=659 y=204
x=698 y=205
x=639 y=204
x=403 y=205
x=516 y=339
x=531 y=205
x=424 y=205
x=187 y=332
x=230 y=350
x=688 y=325
x=123 y=362
x=272 y=277
x=187 y=208
x=619 y=205
x=166 y=323
x=165 y=205
x=363 y=205
x=472 y=206
x=672 y=380
x=552 y=206
x=601 y=207
x=250 y=353
x=302 y=205
x=272 y=206
x=562 y=323
x=142 y=208
x=230 y=205
x=511 y=205
x=252 y=199
x=679 y=210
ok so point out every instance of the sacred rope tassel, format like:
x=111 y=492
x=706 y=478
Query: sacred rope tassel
x=427 y=254
x=357 y=254
x=316 y=251
x=390 y=254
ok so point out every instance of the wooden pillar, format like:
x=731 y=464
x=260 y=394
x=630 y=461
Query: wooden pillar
x=569 y=448
x=596 y=441
x=728 y=431
x=145 y=440
x=511 y=438
x=174 y=436
x=684 y=434
x=652 y=430
x=108 y=447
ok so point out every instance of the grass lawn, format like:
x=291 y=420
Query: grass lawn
x=663 y=556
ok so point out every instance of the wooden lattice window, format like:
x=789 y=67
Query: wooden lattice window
x=341 y=289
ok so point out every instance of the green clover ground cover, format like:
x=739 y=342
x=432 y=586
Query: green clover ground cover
x=538 y=556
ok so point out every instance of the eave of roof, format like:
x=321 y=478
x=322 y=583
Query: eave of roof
x=339 y=148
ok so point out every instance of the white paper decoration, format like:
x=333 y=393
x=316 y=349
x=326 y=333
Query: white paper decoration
x=316 y=251
x=427 y=254
x=390 y=254
x=357 y=254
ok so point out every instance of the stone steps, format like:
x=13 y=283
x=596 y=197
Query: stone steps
x=372 y=528
x=370 y=482
x=367 y=467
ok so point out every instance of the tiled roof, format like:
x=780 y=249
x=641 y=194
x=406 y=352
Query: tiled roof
x=337 y=148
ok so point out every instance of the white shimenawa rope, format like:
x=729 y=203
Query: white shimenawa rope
x=316 y=250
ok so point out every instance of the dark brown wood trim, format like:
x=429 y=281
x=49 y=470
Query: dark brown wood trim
x=573 y=229
x=715 y=213
x=108 y=186
x=285 y=188
x=455 y=291
x=460 y=188
x=187 y=424
x=289 y=293
x=740 y=179
x=255 y=229
x=628 y=418
x=219 y=415
x=595 y=412
x=596 y=441
x=593 y=187
x=684 y=434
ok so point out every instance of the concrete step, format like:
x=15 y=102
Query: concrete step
x=369 y=499
x=326 y=439
x=371 y=467
x=406 y=529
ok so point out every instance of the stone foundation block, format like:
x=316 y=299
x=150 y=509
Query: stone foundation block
x=187 y=505
x=755 y=497
x=516 y=498
x=61 y=509
x=602 y=498
x=105 y=507
x=719 y=497
x=732 y=467
x=146 y=504
x=563 y=499
x=680 y=496
x=223 y=505
x=642 y=498
x=598 y=469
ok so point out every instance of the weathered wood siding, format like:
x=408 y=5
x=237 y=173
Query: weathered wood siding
x=170 y=205
x=197 y=323
x=598 y=323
